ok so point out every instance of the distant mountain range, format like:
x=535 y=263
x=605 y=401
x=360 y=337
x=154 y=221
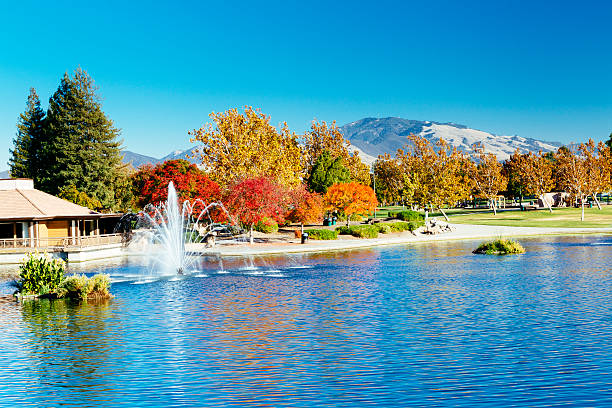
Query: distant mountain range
x=137 y=160
x=374 y=136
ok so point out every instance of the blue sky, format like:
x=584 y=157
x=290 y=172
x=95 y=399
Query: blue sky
x=536 y=69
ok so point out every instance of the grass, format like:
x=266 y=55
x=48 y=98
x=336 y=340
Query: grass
x=560 y=218
x=500 y=246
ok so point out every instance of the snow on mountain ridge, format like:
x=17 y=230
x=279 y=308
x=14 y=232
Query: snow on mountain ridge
x=375 y=136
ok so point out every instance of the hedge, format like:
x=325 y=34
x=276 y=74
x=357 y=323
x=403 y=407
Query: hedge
x=322 y=234
x=407 y=215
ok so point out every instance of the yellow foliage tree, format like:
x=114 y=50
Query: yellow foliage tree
x=389 y=179
x=596 y=167
x=350 y=198
x=572 y=174
x=244 y=145
x=323 y=137
x=436 y=176
x=534 y=173
x=487 y=176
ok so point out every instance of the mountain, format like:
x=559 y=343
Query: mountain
x=374 y=136
x=137 y=160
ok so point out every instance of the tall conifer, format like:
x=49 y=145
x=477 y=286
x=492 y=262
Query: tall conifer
x=82 y=147
x=25 y=161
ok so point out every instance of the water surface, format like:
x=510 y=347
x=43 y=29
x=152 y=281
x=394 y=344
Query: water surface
x=420 y=325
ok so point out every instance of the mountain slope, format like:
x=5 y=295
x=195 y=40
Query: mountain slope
x=376 y=136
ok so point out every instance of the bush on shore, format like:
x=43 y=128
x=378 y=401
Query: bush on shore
x=322 y=234
x=500 y=247
x=359 y=231
x=407 y=215
x=267 y=225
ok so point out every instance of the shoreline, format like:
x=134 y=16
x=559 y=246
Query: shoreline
x=461 y=232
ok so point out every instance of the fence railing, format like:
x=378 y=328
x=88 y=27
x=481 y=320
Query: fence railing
x=60 y=242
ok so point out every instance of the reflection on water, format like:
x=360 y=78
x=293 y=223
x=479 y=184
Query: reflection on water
x=408 y=325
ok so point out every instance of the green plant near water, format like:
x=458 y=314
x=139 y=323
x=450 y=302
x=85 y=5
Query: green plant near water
x=81 y=287
x=500 y=246
x=322 y=234
x=39 y=274
x=267 y=225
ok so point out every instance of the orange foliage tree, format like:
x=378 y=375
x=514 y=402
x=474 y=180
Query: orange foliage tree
x=350 y=198
x=306 y=208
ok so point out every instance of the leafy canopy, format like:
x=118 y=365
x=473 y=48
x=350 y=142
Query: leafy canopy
x=244 y=145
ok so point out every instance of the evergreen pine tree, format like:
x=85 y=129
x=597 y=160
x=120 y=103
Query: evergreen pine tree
x=326 y=172
x=609 y=141
x=82 y=147
x=25 y=161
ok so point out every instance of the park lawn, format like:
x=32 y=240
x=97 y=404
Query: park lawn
x=560 y=218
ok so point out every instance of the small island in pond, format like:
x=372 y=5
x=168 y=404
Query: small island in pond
x=500 y=247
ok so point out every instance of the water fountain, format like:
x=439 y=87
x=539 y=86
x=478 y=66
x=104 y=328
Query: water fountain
x=170 y=230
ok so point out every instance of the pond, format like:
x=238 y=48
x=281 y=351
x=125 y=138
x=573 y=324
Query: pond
x=429 y=324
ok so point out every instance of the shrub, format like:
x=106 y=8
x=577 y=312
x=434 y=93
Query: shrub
x=383 y=228
x=99 y=285
x=500 y=247
x=75 y=287
x=81 y=287
x=407 y=215
x=267 y=225
x=40 y=275
x=322 y=234
x=359 y=231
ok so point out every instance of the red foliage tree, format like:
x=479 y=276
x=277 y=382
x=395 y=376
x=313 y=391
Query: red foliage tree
x=190 y=183
x=251 y=200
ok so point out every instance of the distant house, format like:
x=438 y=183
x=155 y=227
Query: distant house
x=32 y=218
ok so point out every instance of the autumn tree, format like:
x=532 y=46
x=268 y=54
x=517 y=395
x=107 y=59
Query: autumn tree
x=434 y=176
x=306 y=207
x=487 y=176
x=323 y=137
x=24 y=161
x=571 y=170
x=191 y=183
x=389 y=179
x=251 y=200
x=350 y=198
x=238 y=145
x=596 y=167
x=327 y=171
x=533 y=172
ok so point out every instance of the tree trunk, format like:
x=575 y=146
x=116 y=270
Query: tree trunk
x=348 y=220
x=251 y=235
x=444 y=214
x=596 y=200
x=547 y=203
x=494 y=210
x=302 y=227
x=582 y=205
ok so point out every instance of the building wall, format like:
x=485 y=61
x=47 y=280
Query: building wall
x=55 y=229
